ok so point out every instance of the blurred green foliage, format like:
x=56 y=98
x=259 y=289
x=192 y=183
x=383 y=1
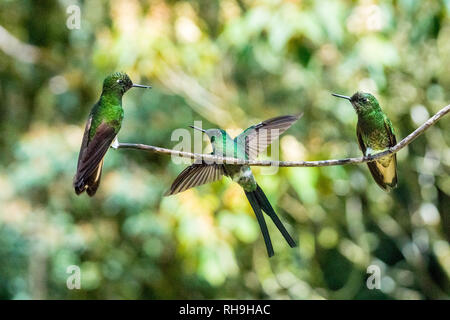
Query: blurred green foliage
x=230 y=63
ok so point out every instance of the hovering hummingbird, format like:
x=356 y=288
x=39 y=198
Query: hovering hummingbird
x=245 y=146
x=100 y=133
x=375 y=134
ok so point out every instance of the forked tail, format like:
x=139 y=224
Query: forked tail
x=259 y=203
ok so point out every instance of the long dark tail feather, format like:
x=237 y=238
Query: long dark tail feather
x=267 y=208
x=262 y=223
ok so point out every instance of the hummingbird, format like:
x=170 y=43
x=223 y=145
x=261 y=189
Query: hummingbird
x=246 y=146
x=100 y=133
x=375 y=134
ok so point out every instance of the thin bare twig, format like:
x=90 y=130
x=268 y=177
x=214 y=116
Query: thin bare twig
x=266 y=163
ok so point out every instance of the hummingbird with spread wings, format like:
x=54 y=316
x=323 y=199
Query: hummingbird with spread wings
x=100 y=133
x=375 y=134
x=246 y=146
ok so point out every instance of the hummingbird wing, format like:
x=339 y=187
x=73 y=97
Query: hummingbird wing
x=257 y=138
x=390 y=175
x=196 y=175
x=390 y=130
x=361 y=143
x=385 y=177
x=85 y=140
x=91 y=156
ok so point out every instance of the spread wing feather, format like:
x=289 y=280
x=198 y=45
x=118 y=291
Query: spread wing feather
x=196 y=175
x=257 y=138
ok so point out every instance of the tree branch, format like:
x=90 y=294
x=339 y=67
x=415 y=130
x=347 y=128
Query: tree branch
x=266 y=163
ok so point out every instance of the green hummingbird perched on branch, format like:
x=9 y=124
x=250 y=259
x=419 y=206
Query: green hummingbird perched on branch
x=245 y=146
x=375 y=134
x=101 y=131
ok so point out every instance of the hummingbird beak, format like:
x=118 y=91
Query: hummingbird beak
x=141 y=86
x=341 y=96
x=197 y=128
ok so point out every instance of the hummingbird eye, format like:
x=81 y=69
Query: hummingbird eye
x=120 y=81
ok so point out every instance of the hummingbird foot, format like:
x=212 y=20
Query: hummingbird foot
x=370 y=152
x=115 y=143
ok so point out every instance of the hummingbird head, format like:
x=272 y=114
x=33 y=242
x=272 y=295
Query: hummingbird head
x=213 y=134
x=119 y=82
x=361 y=101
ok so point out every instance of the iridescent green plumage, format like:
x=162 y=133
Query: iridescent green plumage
x=245 y=146
x=375 y=134
x=102 y=127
